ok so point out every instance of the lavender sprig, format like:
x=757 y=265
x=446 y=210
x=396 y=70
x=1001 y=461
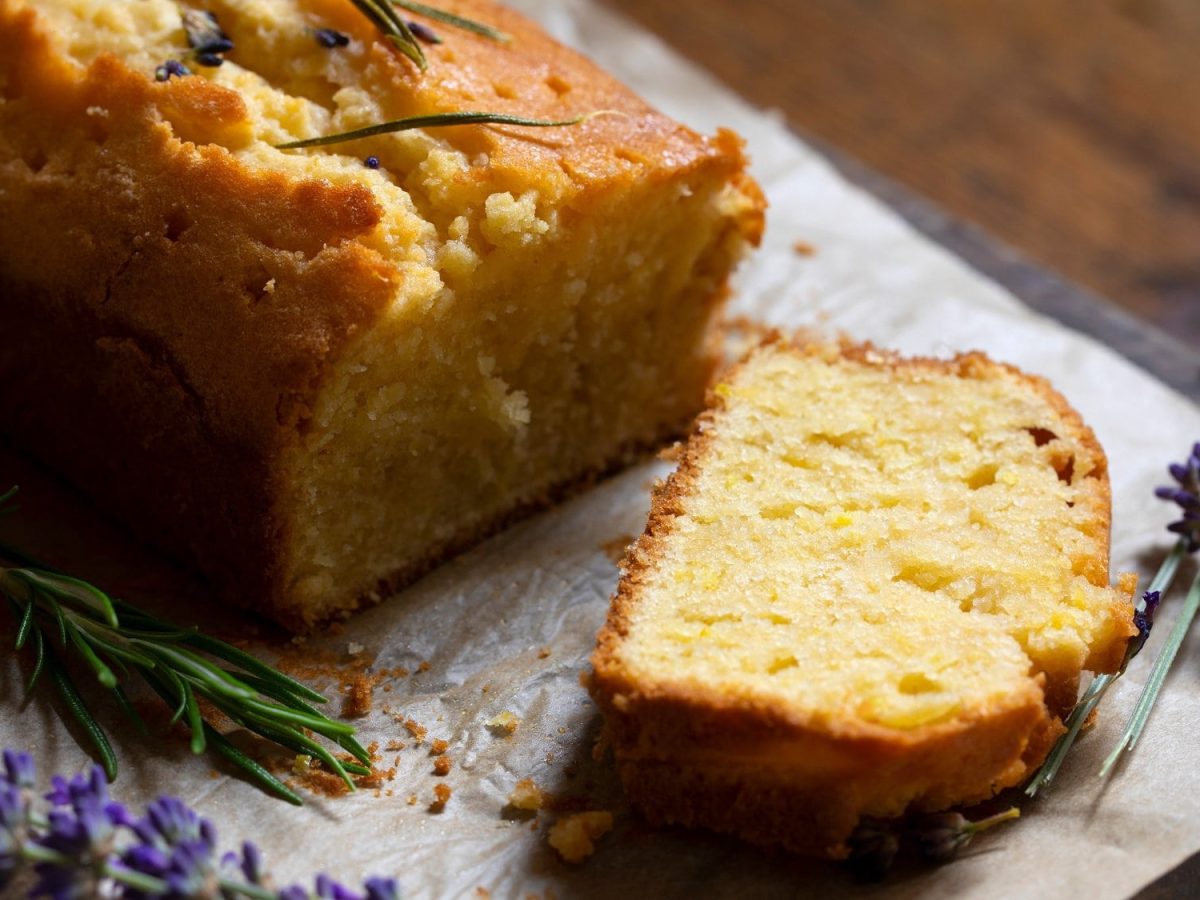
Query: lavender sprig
x=58 y=615
x=88 y=846
x=937 y=837
x=1185 y=493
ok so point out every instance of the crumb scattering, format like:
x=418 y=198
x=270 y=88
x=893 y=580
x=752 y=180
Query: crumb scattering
x=424 y=666
x=441 y=765
x=526 y=795
x=438 y=747
x=574 y=836
x=504 y=723
x=803 y=248
x=544 y=653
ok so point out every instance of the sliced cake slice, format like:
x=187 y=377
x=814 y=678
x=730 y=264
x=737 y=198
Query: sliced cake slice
x=870 y=587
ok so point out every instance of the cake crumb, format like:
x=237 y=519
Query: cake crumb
x=574 y=836
x=803 y=248
x=441 y=765
x=424 y=666
x=483 y=893
x=544 y=653
x=415 y=729
x=441 y=793
x=412 y=799
x=439 y=747
x=357 y=702
x=504 y=723
x=527 y=796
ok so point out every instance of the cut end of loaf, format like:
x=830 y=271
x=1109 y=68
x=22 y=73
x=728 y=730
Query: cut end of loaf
x=871 y=586
x=316 y=378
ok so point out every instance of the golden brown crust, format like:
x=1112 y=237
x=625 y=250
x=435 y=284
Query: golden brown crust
x=691 y=755
x=197 y=305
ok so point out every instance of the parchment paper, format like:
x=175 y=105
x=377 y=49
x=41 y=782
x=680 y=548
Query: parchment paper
x=481 y=620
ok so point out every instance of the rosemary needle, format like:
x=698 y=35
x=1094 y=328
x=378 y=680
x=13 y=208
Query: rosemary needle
x=1158 y=675
x=431 y=121
x=447 y=18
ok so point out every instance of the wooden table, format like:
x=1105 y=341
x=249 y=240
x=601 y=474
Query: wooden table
x=1055 y=146
x=1047 y=138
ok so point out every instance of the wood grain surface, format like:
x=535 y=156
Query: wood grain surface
x=1069 y=129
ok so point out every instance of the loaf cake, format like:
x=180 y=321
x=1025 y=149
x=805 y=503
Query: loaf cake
x=869 y=588
x=313 y=373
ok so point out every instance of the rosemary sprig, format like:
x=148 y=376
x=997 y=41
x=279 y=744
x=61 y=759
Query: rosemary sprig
x=447 y=18
x=394 y=28
x=1158 y=675
x=1187 y=495
x=431 y=121
x=61 y=616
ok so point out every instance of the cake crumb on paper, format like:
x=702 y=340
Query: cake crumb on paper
x=442 y=794
x=359 y=695
x=503 y=723
x=416 y=729
x=573 y=837
x=527 y=796
x=441 y=765
x=803 y=248
x=439 y=747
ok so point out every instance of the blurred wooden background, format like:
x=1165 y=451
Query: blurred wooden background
x=1068 y=128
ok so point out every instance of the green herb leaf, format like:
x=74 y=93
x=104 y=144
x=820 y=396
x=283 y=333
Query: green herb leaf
x=221 y=744
x=78 y=709
x=394 y=28
x=1158 y=676
x=447 y=18
x=438 y=120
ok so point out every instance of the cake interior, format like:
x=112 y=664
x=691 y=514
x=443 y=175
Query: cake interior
x=547 y=320
x=895 y=545
x=558 y=360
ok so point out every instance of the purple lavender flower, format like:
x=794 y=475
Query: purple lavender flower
x=328 y=889
x=1187 y=496
x=939 y=836
x=172 y=68
x=19 y=769
x=382 y=889
x=424 y=33
x=83 y=831
x=172 y=855
x=176 y=846
x=1143 y=621
x=873 y=847
x=14 y=823
x=330 y=38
